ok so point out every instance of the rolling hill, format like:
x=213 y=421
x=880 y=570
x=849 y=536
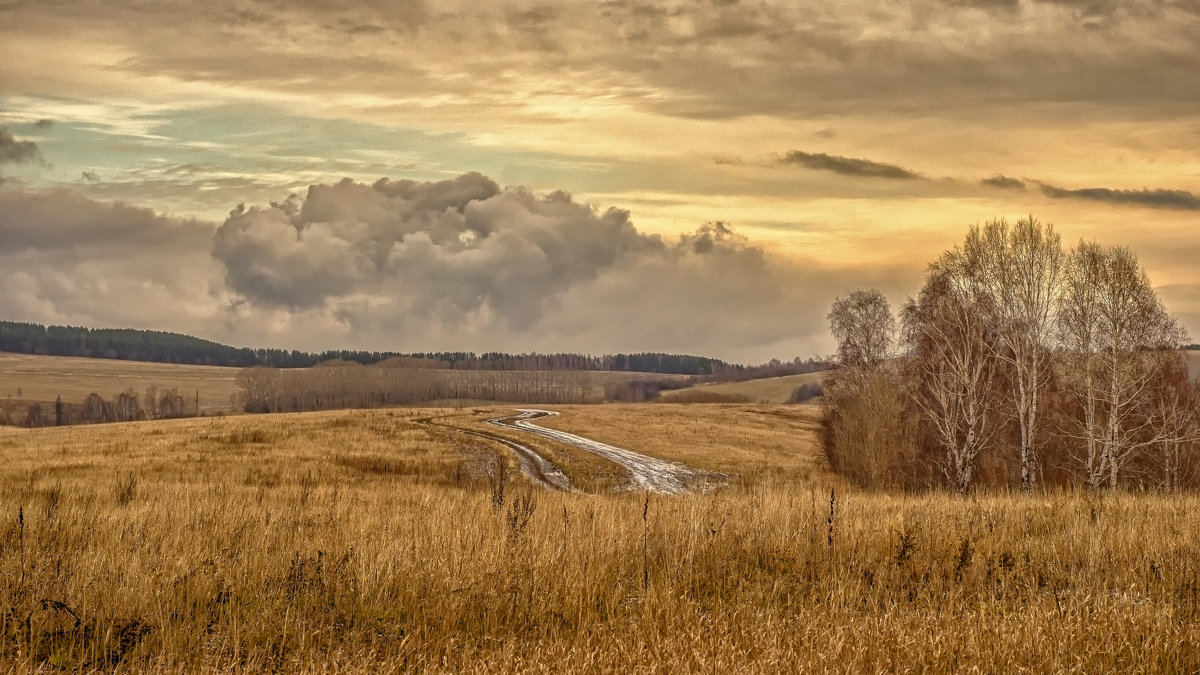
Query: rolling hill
x=765 y=390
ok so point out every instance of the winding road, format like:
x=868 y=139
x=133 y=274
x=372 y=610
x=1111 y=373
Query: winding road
x=539 y=469
x=646 y=473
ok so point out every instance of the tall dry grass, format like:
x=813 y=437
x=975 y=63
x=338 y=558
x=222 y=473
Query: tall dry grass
x=367 y=542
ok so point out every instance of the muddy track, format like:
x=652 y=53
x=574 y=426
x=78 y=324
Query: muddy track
x=539 y=469
x=646 y=473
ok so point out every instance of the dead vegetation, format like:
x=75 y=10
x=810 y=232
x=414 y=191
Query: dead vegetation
x=365 y=541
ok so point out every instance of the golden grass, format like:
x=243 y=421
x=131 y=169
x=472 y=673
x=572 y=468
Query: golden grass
x=765 y=390
x=43 y=378
x=751 y=443
x=368 y=542
x=587 y=471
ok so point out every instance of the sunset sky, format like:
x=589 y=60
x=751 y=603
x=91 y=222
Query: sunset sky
x=698 y=177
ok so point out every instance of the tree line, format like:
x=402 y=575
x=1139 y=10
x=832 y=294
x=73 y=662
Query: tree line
x=126 y=406
x=1019 y=362
x=119 y=343
x=338 y=385
x=164 y=347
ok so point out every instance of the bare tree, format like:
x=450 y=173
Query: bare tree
x=1116 y=334
x=1175 y=417
x=948 y=331
x=871 y=431
x=1020 y=269
x=863 y=325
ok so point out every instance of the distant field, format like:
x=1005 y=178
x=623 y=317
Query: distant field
x=43 y=378
x=32 y=378
x=766 y=390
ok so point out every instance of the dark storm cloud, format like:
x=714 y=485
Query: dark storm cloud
x=13 y=151
x=847 y=166
x=1164 y=199
x=1004 y=182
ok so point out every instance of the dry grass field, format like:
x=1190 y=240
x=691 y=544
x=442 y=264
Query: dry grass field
x=31 y=378
x=373 y=542
x=43 y=378
x=765 y=390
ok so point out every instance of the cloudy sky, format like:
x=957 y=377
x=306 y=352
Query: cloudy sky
x=679 y=176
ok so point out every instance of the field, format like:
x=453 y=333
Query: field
x=43 y=378
x=765 y=390
x=26 y=378
x=378 y=541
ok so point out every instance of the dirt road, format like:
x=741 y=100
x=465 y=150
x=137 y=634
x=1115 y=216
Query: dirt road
x=540 y=470
x=646 y=473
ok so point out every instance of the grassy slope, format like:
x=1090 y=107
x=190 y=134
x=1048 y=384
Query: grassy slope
x=365 y=541
x=753 y=443
x=42 y=378
x=766 y=390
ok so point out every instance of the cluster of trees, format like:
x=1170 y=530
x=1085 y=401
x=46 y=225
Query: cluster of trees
x=346 y=384
x=1018 y=362
x=126 y=406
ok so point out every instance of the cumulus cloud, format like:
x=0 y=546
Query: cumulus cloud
x=1004 y=182
x=847 y=166
x=415 y=266
x=13 y=151
x=1159 y=198
x=447 y=248
x=464 y=263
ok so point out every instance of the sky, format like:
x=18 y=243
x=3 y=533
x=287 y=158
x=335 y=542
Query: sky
x=701 y=177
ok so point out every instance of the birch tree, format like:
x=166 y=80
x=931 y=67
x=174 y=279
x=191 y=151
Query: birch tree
x=1175 y=417
x=1115 y=333
x=864 y=398
x=1020 y=269
x=863 y=325
x=948 y=331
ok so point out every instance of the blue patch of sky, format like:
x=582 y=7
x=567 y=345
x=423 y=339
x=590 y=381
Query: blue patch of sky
x=220 y=147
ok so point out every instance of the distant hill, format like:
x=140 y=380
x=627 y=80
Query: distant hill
x=765 y=390
x=163 y=347
x=119 y=343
